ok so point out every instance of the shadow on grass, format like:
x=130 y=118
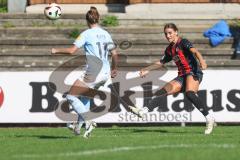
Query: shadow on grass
x=43 y=136
x=167 y=131
x=154 y=130
x=150 y=130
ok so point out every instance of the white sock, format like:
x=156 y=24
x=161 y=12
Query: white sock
x=70 y=125
x=209 y=117
x=87 y=124
x=76 y=104
x=145 y=109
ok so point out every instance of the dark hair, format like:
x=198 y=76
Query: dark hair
x=170 y=25
x=92 y=16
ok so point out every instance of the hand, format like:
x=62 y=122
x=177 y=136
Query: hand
x=143 y=73
x=203 y=65
x=113 y=73
x=54 y=51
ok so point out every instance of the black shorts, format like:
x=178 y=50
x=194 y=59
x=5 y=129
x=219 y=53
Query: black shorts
x=182 y=79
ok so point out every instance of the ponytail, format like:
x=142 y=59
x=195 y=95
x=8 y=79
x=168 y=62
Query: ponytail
x=92 y=16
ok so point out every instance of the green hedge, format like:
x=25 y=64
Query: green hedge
x=3 y=6
x=3 y=3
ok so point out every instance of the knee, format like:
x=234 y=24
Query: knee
x=161 y=92
x=190 y=94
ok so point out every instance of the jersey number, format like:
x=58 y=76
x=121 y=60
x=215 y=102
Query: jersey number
x=102 y=52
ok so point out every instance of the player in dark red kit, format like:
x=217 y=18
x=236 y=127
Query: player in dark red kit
x=190 y=64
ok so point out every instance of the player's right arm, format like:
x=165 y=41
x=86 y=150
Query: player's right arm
x=157 y=65
x=70 y=50
x=79 y=42
x=146 y=70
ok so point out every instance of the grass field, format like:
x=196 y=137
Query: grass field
x=133 y=143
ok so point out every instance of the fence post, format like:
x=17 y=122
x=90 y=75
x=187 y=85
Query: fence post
x=17 y=6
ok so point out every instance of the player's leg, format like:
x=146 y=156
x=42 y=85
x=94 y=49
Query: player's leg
x=89 y=124
x=77 y=89
x=192 y=86
x=170 y=88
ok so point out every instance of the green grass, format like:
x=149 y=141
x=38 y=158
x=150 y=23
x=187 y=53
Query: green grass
x=3 y=6
x=119 y=143
x=8 y=25
x=74 y=33
x=3 y=9
x=110 y=21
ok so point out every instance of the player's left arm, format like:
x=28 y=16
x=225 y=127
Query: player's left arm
x=199 y=56
x=114 y=62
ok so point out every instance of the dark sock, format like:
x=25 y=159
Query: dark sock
x=157 y=99
x=191 y=95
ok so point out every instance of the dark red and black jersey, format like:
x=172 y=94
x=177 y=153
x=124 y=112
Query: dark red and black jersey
x=182 y=56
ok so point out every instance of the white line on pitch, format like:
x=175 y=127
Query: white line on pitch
x=122 y=149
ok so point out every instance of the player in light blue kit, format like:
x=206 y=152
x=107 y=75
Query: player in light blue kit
x=97 y=44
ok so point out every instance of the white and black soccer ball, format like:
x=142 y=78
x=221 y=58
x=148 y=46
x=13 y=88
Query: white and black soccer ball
x=53 y=11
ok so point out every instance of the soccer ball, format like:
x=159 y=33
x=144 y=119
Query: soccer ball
x=53 y=11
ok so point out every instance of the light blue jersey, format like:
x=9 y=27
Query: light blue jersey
x=97 y=43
